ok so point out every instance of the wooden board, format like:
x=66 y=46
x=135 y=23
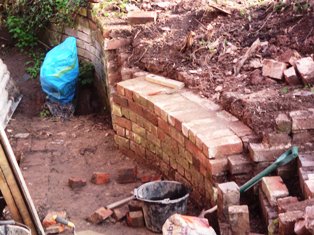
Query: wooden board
x=17 y=186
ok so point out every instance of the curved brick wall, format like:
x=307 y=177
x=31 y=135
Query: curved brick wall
x=187 y=138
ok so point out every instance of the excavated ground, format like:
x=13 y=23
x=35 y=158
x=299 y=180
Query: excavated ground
x=217 y=42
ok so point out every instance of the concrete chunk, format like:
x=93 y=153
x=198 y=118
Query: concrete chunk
x=273 y=68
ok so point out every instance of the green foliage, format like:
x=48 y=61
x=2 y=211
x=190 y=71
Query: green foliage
x=28 y=17
x=17 y=26
x=86 y=76
x=45 y=113
x=33 y=66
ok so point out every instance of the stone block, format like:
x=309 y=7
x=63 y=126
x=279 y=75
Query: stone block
x=291 y=77
x=239 y=164
x=141 y=17
x=99 y=215
x=305 y=67
x=283 y=123
x=100 y=178
x=239 y=219
x=274 y=188
x=127 y=175
x=228 y=195
x=75 y=182
x=273 y=68
x=287 y=221
x=135 y=219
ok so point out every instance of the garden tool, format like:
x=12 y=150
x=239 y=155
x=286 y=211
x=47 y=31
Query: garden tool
x=283 y=159
x=71 y=225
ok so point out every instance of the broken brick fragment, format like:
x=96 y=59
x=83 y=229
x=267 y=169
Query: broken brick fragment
x=135 y=219
x=127 y=175
x=75 y=182
x=120 y=213
x=100 y=178
x=99 y=215
x=273 y=69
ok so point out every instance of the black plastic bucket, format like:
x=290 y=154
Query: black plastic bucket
x=161 y=200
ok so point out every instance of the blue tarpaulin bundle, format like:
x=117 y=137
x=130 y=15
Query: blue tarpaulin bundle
x=59 y=72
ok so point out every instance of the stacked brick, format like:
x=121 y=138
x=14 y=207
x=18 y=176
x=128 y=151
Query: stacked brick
x=187 y=138
x=306 y=174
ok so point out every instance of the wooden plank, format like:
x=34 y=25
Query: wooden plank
x=14 y=188
x=24 y=194
x=9 y=199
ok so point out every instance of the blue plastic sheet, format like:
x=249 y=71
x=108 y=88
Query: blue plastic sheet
x=59 y=72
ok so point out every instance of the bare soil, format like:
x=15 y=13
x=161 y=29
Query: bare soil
x=217 y=42
x=56 y=151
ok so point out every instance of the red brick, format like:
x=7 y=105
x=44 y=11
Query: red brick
x=99 y=215
x=291 y=76
x=119 y=100
x=150 y=177
x=114 y=44
x=138 y=149
x=135 y=219
x=119 y=130
x=100 y=178
x=239 y=164
x=164 y=126
x=287 y=221
x=75 y=182
x=228 y=195
x=151 y=117
x=274 y=188
x=120 y=213
x=177 y=136
x=305 y=67
x=141 y=17
x=135 y=205
x=120 y=90
x=55 y=229
x=127 y=175
x=128 y=94
x=136 y=108
x=122 y=122
x=302 y=119
x=239 y=219
x=309 y=188
x=273 y=69
x=284 y=202
x=192 y=148
x=218 y=166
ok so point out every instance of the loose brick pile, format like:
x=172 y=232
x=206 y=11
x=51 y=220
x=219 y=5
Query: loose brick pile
x=187 y=138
